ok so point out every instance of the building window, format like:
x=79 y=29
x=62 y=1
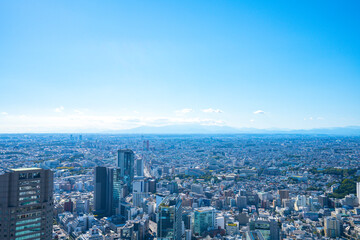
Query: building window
x=36 y=175
x=22 y=176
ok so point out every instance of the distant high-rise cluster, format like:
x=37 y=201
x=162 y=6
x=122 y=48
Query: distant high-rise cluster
x=113 y=184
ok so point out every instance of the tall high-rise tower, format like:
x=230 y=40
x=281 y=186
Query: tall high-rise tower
x=169 y=224
x=125 y=161
x=108 y=190
x=100 y=194
x=140 y=167
x=26 y=204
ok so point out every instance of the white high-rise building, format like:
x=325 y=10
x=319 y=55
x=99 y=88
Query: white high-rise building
x=140 y=191
x=358 y=191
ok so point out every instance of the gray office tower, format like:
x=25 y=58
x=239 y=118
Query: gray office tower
x=26 y=204
x=108 y=191
x=125 y=161
x=140 y=167
x=169 y=224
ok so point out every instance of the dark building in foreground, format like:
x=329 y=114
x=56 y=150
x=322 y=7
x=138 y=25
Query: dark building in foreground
x=108 y=191
x=26 y=204
x=169 y=224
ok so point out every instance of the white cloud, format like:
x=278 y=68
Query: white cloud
x=211 y=110
x=4 y=113
x=86 y=122
x=259 y=112
x=78 y=111
x=184 y=111
x=59 y=109
x=312 y=118
x=252 y=120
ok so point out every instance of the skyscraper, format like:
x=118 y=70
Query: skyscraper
x=140 y=167
x=108 y=190
x=169 y=224
x=100 y=194
x=116 y=189
x=140 y=191
x=26 y=204
x=125 y=161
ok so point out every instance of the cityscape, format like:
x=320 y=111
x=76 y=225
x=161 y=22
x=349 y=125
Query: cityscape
x=92 y=186
x=180 y=120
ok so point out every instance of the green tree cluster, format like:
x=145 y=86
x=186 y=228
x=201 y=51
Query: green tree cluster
x=347 y=186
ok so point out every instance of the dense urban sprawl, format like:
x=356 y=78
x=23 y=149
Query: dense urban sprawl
x=194 y=186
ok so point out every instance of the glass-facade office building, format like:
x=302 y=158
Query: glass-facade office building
x=108 y=191
x=125 y=161
x=204 y=220
x=169 y=219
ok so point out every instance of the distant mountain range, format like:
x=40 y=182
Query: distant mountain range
x=206 y=129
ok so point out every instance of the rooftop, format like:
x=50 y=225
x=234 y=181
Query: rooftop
x=25 y=169
x=171 y=200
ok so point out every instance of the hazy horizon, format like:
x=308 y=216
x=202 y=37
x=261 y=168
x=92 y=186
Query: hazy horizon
x=204 y=129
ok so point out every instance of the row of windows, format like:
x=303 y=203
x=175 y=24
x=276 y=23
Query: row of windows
x=29 y=236
x=28 y=203
x=29 y=175
x=29 y=192
x=24 y=183
x=27 y=231
x=29 y=208
x=28 y=226
x=35 y=214
x=29 y=197
x=28 y=221
x=29 y=187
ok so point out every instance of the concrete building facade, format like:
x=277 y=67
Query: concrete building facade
x=26 y=204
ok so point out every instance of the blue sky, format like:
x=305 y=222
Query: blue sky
x=93 y=65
